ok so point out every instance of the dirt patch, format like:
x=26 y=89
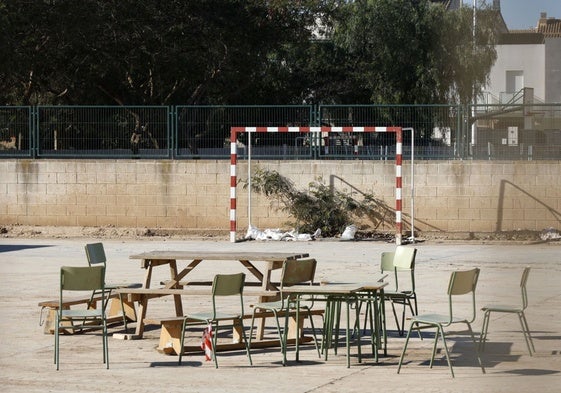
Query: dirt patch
x=111 y=232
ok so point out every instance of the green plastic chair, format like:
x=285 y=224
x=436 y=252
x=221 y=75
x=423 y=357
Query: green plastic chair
x=401 y=263
x=510 y=309
x=398 y=264
x=223 y=286
x=294 y=272
x=81 y=279
x=461 y=283
x=95 y=254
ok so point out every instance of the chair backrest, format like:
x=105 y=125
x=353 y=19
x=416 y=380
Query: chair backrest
x=463 y=282
x=96 y=254
x=400 y=260
x=82 y=278
x=227 y=285
x=404 y=258
x=298 y=271
x=523 y=282
x=386 y=261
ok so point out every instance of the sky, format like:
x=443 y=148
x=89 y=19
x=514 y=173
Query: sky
x=524 y=14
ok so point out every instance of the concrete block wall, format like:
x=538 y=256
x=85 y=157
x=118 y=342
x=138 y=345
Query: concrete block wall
x=449 y=196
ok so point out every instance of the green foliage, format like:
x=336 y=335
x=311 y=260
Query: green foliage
x=414 y=52
x=226 y=52
x=320 y=206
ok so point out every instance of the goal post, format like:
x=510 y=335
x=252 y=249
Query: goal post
x=234 y=131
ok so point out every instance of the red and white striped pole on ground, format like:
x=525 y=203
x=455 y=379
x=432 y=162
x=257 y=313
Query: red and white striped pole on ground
x=234 y=159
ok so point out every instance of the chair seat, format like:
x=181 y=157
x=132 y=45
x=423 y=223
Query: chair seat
x=436 y=319
x=502 y=308
x=401 y=294
x=278 y=305
x=90 y=313
x=208 y=316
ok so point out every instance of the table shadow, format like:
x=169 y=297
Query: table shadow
x=19 y=247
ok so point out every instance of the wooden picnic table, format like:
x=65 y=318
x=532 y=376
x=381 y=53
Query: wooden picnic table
x=151 y=259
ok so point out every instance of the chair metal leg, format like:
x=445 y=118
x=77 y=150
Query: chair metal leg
x=526 y=332
x=297 y=335
x=105 y=346
x=330 y=311
x=446 y=351
x=401 y=329
x=484 y=328
x=214 y=343
x=57 y=329
x=405 y=347
x=434 y=345
x=359 y=349
x=475 y=347
x=246 y=342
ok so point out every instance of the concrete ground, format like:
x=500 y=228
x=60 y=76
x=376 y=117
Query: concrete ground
x=29 y=270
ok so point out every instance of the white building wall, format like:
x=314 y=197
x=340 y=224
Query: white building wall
x=527 y=58
x=553 y=69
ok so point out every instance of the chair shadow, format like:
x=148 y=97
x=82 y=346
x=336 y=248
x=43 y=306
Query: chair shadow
x=529 y=371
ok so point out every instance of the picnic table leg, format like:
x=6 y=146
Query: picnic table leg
x=176 y=298
x=143 y=303
x=170 y=338
x=128 y=309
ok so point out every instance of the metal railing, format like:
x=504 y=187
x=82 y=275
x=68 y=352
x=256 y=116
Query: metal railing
x=511 y=131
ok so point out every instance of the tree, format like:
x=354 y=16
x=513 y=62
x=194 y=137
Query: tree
x=408 y=52
x=225 y=52
x=151 y=52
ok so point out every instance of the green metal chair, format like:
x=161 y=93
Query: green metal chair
x=81 y=279
x=510 y=309
x=397 y=264
x=461 y=283
x=401 y=263
x=294 y=272
x=95 y=253
x=223 y=286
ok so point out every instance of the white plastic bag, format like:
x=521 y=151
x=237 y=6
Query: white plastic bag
x=349 y=233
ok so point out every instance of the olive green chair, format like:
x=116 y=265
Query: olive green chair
x=510 y=309
x=74 y=279
x=294 y=272
x=401 y=264
x=95 y=253
x=224 y=287
x=462 y=284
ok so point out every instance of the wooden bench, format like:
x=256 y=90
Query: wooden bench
x=170 y=334
x=114 y=313
x=142 y=294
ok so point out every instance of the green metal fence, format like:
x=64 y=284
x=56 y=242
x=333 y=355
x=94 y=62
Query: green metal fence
x=104 y=132
x=479 y=132
x=436 y=131
x=16 y=137
x=204 y=131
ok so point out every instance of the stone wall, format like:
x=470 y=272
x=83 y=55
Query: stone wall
x=450 y=196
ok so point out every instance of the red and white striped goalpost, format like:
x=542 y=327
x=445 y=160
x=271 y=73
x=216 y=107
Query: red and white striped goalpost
x=234 y=131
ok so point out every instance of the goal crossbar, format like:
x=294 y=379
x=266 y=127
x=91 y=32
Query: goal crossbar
x=234 y=131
